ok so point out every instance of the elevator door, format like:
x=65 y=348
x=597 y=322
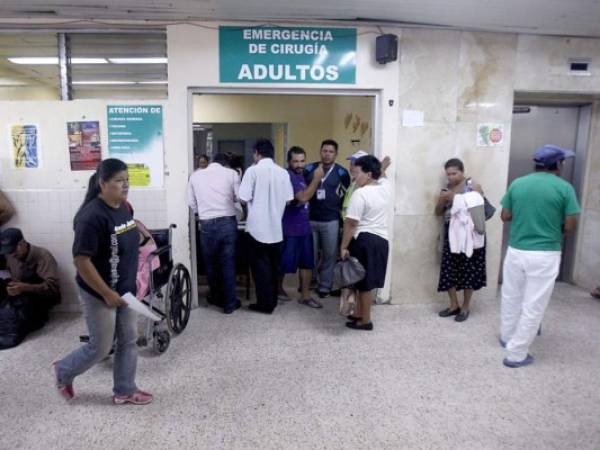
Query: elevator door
x=534 y=126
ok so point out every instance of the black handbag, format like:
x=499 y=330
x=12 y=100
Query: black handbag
x=488 y=209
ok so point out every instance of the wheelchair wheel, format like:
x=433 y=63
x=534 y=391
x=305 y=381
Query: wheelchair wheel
x=179 y=299
x=161 y=341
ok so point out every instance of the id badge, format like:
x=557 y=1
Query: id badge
x=320 y=194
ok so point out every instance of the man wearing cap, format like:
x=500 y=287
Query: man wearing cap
x=34 y=285
x=325 y=208
x=541 y=207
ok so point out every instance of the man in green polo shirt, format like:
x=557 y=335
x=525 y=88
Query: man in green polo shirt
x=541 y=207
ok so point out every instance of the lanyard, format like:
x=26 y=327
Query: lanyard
x=326 y=175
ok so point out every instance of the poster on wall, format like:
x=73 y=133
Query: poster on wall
x=135 y=135
x=25 y=146
x=490 y=134
x=85 y=151
x=270 y=54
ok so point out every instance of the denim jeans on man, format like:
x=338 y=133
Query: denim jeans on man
x=104 y=325
x=325 y=238
x=218 y=239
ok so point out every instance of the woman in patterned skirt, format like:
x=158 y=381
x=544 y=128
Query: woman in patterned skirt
x=458 y=272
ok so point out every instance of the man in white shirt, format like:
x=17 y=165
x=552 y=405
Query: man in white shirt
x=212 y=195
x=266 y=188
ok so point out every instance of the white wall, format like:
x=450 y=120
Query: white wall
x=47 y=198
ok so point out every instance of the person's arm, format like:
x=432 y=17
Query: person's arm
x=92 y=278
x=307 y=194
x=49 y=287
x=192 y=202
x=445 y=198
x=7 y=210
x=506 y=215
x=570 y=224
x=236 y=187
x=350 y=226
x=246 y=191
x=385 y=163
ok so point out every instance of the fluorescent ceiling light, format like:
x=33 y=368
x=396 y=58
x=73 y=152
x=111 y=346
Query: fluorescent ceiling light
x=101 y=82
x=89 y=61
x=53 y=60
x=11 y=82
x=45 y=60
x=154 y=82
x=138 y=60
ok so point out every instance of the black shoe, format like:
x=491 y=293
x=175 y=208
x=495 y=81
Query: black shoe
x=363 y=326
x=238 y=305
x=335 y=293
x=462 y=316
x=261 y=309
x=449 y=312
x=323 y=294
x=353 y=318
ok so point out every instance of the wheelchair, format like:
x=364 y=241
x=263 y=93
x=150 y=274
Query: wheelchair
x=169 y=297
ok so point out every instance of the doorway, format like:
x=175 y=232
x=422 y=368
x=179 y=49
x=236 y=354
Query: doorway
x=293 y=118
x=564 y=125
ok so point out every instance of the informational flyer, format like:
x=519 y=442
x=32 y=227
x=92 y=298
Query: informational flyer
x=24 y=144
x=135 y=135
x=85 y=151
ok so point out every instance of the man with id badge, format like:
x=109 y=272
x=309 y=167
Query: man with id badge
x=325 y=208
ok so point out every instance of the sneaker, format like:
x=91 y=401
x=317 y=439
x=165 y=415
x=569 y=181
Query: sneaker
x=515 y=364
x=64 y=390
x=323 y=294
x=139 y=397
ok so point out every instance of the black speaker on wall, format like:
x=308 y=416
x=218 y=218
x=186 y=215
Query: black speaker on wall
x=386 y=48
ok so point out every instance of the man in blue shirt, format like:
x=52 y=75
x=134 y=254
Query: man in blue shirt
x=325 y=209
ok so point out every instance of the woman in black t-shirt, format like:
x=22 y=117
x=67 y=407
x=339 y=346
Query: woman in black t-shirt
x=105 y=251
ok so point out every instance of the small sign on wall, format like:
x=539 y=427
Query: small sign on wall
x=490 y=134
x=25 y=146
x=84 y=144
x=268 y=54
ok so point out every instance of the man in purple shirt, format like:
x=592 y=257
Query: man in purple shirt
x=297 y=250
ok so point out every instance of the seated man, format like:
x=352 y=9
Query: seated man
x=31 y=292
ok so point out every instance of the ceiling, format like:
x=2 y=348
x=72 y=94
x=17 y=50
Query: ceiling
x=554 y=17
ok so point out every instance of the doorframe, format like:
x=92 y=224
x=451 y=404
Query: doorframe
x=308 y=91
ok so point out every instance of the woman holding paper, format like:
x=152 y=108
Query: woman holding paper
x=105 y=251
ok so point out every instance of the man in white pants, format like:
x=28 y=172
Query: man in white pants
x=541 y=207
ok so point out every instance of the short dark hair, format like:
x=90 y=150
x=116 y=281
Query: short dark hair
x=371 y=164
x=330 y=142
x=264 y=148
x=203 y=156
x=295 y=150
x=456 y=163
x=222 y=158
x=550 y=168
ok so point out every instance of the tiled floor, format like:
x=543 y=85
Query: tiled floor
x=299 y=379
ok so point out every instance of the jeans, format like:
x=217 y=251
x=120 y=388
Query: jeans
x=264 y=263
x=325 y=237
x=105 y=325
x=218 y=237
x=527 y=282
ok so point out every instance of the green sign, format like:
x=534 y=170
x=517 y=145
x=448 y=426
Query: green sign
x=133 y=128
x=287 y=55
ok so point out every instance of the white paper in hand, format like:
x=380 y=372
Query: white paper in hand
x=139 y=307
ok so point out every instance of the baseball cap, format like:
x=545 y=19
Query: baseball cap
x=548 y=154
x=9 y=240
x=358 y=154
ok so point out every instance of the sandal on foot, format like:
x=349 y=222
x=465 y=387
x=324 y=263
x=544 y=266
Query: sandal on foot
x=311 y=302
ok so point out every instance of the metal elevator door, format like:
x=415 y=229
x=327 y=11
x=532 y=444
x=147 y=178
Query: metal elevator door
x=534 y=126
